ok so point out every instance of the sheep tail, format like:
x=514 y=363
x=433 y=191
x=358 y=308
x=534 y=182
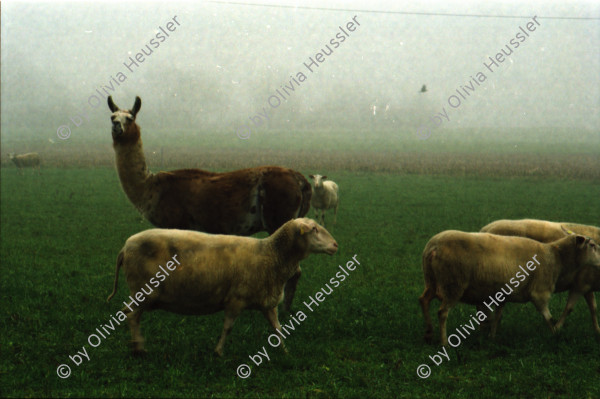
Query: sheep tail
x=120 y=258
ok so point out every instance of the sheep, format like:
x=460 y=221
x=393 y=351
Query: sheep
x=582 y=283
x=325 y=196
x=472 y=267
x=31 y=159
x=215 y=272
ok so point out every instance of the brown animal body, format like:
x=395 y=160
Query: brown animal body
x=211 y=273
x=469 y=267
x=581 y=283
x=31 y=159
x=241 y=202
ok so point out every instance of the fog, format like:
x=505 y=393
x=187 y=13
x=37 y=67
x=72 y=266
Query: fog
x=223 y=62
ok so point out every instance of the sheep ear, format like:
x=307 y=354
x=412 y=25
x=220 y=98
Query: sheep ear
x=311 y=176
x=581 y=240
x=324 y=177
x=566 y=230
x=304 y=228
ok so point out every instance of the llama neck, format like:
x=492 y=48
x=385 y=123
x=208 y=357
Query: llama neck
x=133 y=171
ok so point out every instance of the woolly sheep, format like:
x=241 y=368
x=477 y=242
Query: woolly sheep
x=214 y=272
x=475 y=267
x=325 y=196
x=582 y=283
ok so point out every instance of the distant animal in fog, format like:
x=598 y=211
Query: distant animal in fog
x=242 y=202
x=325 y=196
x=29 y=160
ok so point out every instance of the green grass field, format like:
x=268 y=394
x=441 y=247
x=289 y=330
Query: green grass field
x=61 y=232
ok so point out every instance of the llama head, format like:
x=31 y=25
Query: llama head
x=123 y=121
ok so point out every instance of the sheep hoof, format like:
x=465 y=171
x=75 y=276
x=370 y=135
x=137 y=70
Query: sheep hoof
x=137 y=348
x=139 y=352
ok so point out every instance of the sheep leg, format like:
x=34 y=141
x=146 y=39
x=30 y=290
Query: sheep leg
x=496 y=321
x=540 y=301
x=485 y=324
x=591 y=301
x=443 y=317
x=335 y=214
x=573 y=298
x=133 y=319
x=271 y=315
x=425 y=300
x=290 y=290
x=230 y=316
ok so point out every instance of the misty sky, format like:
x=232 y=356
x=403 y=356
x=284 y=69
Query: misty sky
x=221 y=64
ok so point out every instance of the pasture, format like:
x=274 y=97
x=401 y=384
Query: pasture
x=61 y=233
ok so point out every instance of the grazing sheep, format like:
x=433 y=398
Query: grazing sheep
x=215 y=272
x=582 y=283
x=325 y=196
x=474 y=267
x=31 y=159
x=241 y=202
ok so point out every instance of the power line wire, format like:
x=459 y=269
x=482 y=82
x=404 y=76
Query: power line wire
x=433 y=14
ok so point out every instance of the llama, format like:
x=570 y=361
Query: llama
x=242 y=202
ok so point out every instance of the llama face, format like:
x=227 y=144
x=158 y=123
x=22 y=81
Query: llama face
x=122 y=119
x=120 y=122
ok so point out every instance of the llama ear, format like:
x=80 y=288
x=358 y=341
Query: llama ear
x=136 y=106
x=111 y=105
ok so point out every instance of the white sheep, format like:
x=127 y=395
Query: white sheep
x=473 y=267
x=214 y=272
x=325 y=196
x=31 y=159
x=583 y=283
